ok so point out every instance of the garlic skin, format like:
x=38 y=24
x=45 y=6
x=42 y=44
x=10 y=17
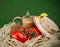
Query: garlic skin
x=40 y=27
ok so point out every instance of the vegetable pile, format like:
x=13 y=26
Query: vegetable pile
x=22 y=33
x=35 y=31
x=33 y=26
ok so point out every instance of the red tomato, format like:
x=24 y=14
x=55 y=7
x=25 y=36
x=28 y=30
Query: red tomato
x=21 y=29
x=33 y=32
x=19 y=34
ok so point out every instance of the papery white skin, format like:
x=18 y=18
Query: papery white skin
x=39 y=26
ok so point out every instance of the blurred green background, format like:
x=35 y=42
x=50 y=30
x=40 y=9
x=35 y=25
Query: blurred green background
x=12 y=8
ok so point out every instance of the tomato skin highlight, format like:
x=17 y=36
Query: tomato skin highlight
x=35 y=31
x=21 y=28
x=19 y=35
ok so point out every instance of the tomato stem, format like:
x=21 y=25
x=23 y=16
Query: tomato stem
x=32 y=34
